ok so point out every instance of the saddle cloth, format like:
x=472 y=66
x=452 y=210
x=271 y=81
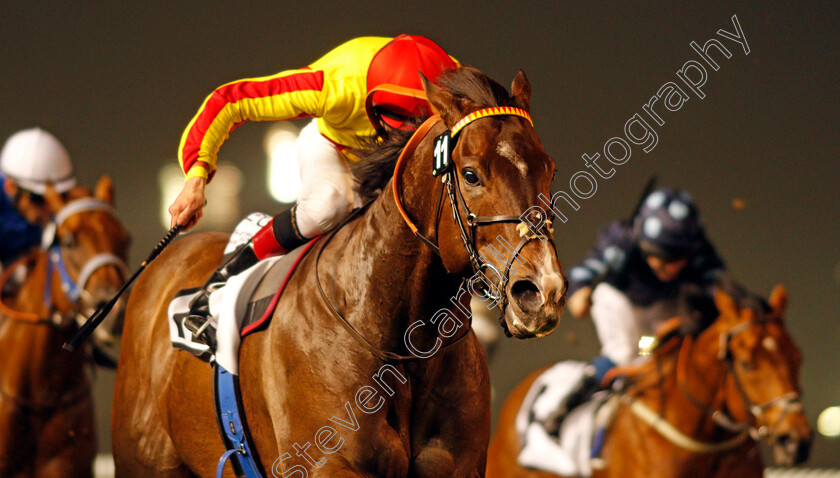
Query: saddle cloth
x=243 y=306
x=570 y=454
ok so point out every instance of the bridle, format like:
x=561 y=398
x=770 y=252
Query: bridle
x=468 y=236
x=789 y=402
x=468 y=231
x=73 y=289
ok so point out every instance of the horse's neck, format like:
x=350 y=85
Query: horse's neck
x=30 y=296
x=702 y=376
x=48 y=367
x=388 y=278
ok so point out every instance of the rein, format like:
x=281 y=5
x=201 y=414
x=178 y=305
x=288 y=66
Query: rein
x=467 y=238
x=72 y=289
x=789 y=401
x=676 y=437
x=457 y=201
x=383 y=355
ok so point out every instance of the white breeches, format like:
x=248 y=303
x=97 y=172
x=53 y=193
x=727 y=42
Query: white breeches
x=327 y=192
x=617 y=324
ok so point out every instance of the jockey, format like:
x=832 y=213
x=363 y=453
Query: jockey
x=333 y=90
x=30 y=160
x=636 y=266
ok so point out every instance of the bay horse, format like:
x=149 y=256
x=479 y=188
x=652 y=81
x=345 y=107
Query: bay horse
x=700 y=406
x=429 y=416
x=46 y=408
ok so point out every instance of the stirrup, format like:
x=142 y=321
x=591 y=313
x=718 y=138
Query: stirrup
x=202 y=330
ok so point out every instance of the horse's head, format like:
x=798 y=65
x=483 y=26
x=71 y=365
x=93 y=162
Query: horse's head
x=89 y=248
x=762 y=387
x=498 y=171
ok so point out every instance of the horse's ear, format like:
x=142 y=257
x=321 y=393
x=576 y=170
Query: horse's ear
x=444 y=103
x=53 y=199
x=105 y=190
x=521 y=89
x=725 y=304
x=778 y=299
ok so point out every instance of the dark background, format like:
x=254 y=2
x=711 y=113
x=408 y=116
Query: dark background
x=117 y=83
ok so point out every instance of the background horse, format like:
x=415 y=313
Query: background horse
x=425 y=417
x=46 y=409
x=738 y=378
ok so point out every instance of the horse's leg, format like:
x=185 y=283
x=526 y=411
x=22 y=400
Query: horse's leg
x=188 y=397
x=505 y=447
x=16 y=446
x=141 y=442
x=451 y=416
x=633 y=449
x=66 y=443
x=744 y=462
x=304 y=373
x=162 y=395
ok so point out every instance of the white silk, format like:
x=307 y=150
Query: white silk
x=327 y=189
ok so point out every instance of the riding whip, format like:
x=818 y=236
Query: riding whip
x=85 y=330
x=645 y=193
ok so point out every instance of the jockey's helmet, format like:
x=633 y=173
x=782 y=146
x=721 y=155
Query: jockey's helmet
x=667 y=225
x=400 y=63
x=33 y=157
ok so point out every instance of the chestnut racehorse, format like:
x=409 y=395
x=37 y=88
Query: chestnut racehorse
x=46 y=409
x=714 y=396
x=430 y=416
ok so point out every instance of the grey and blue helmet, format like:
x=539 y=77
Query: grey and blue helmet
x=667 y=225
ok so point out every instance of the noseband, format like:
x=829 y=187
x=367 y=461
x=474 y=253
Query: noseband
x=468 y=238
x=73 y=289
x=444 y=146
x=789 y=402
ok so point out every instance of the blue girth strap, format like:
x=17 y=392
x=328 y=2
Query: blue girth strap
x=232 y=426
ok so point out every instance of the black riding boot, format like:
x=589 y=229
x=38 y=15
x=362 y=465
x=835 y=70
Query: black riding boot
x=589 y=384
x=198 y=321
x=277 y=237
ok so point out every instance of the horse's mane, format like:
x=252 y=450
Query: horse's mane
x=378 y=157
x=746 y=299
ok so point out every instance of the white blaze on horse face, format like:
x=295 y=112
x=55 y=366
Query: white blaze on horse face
x=769 y=343
x=506 y=151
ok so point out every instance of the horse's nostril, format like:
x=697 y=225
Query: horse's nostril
x=803 y=449
x=527 y=295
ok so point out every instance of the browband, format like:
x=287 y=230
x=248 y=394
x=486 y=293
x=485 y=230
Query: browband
x=494 y=111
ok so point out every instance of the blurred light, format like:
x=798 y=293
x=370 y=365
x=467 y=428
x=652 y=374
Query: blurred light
x=739 y=204
x=283 y=171
x=646 y=345
x=222 y=210
x=828 y=423
x=170 y=182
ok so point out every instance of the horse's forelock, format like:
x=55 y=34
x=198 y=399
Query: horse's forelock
x=377 y=159
x=471 y=83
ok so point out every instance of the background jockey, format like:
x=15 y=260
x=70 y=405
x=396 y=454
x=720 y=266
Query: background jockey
x=333 y=90
x=29 y=160
x=634 y=267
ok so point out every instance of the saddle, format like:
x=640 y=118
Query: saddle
x=243 y=306
x=571 y=450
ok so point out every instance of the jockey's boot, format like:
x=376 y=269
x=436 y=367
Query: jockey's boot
x=263 y=245
x=198 y=321
x=593 y=374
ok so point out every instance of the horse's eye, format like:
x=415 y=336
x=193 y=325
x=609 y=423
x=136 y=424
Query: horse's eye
x=68 y=241
x=746 y=364
x=470 y=177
